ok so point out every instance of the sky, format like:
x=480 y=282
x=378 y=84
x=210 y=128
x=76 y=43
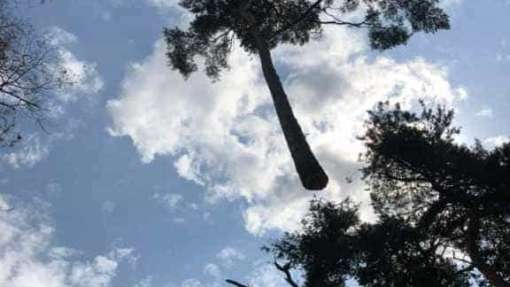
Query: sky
x=147 y=180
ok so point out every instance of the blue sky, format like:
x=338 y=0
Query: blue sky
x=147 y=180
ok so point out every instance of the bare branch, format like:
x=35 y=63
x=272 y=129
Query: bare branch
x=286 y=270
x=235 y=283
x=29 y=73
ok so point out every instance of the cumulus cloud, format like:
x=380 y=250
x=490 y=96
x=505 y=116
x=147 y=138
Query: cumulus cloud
x=225 y=136
x=29 y=259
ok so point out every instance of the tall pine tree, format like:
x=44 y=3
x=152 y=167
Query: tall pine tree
x=261 y=25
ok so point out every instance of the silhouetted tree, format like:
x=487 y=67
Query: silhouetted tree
x=28 y=73
x=335 y=247
x=261 y=25
x=456 y=195
x=443 y=212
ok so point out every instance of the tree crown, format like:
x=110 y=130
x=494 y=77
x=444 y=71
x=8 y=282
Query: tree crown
x=335 y=246
x=443 y=211
x=217 y=23
x=456 y=194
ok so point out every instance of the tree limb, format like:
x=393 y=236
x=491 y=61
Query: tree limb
x=286 y=270
x=235 y=283
x=473 y=249
x=295 y=22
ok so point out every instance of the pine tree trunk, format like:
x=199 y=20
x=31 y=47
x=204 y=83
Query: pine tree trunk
x=472 y=246
x=308 y=168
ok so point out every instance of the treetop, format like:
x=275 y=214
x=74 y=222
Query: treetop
x=218 y=23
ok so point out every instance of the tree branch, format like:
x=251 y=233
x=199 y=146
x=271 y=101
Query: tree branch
x=473 y=249
x=286 y=270
x=298 y=20
x=337 y=21
x=343 y=23
x=430 y=215
x=235 y=283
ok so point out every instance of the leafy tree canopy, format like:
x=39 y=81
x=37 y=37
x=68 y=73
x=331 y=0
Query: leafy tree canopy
x=335 y=246
x=443 y=211
x=457 y=195
x=218 y=22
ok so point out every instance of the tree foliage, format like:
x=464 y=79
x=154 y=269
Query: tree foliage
x=458 y=195
x=218 y=23
x=443 y=211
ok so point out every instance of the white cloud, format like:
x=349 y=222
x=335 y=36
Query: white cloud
x=36 y=146
x=31 y=152
x=262 y=274
x=60 y=37
x=83 y=76
x=29 y=259
x=496 y=141
x=193 y=283
x=188 y=169
x=169 y=200
x=451 y=3
x=225 y=136
x=485 y=112
x=146 y=282
x=163 y=4
x=213 y=270
x=266 y=275
x=229 y=255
